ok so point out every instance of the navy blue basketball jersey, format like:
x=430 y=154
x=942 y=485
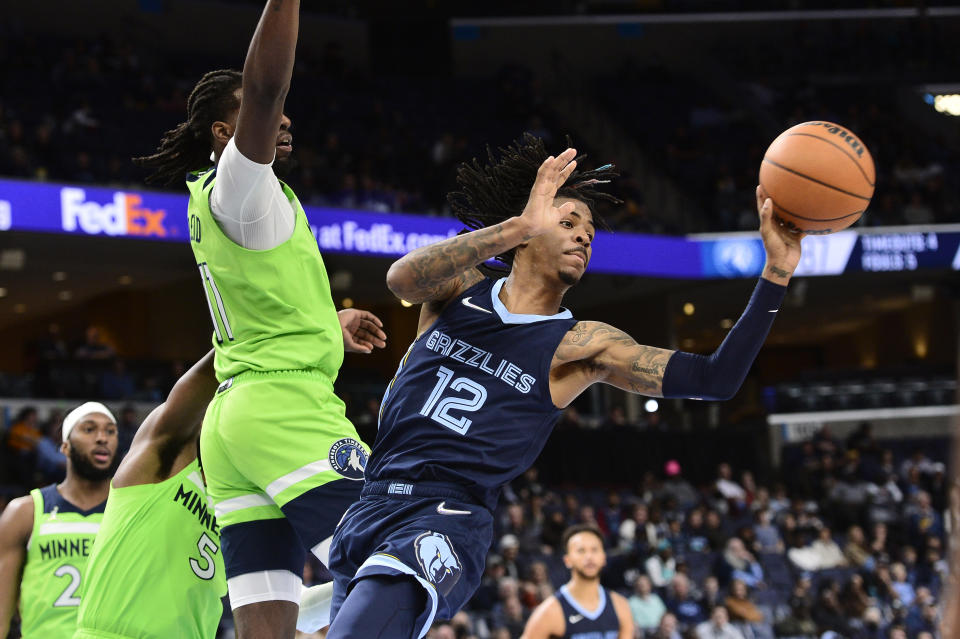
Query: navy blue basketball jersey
x=601 y=623
x=470 y=404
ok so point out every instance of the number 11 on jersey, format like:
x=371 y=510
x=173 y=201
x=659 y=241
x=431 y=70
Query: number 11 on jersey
x=439 y=410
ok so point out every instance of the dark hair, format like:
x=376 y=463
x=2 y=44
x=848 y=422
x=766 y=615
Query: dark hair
x=576 y=530
x=498 y=190
x=187 y=146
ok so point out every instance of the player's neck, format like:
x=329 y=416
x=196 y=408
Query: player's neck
x=84 y=493
x=530 y=295
x=585 y=591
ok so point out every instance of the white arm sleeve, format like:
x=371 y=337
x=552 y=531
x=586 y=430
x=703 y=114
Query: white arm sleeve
x=248 y=202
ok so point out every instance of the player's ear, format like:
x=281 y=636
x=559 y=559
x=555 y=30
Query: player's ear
x=65 y=447
x=222 y=132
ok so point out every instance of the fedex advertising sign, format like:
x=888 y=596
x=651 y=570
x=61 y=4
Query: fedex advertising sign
x=123 y=215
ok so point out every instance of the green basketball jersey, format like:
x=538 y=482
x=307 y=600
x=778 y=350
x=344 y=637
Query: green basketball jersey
x=56 y=565
x=156 y=569
x=271 y=309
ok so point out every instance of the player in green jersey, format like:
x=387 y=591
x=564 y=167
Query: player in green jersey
x=46 y=537
x=159 y=539
x=282 y=461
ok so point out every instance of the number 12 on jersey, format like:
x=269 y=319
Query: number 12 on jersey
x=439 y=409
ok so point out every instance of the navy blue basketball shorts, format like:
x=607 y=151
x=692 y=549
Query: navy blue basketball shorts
x=434 y=533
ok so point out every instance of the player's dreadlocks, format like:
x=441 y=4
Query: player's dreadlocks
x=492 y=193
x=187 y=146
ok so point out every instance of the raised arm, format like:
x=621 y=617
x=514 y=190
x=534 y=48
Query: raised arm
x=436 y=273
x=266 y=80
x=16 y=524
x=165 y=442
x=596 y=352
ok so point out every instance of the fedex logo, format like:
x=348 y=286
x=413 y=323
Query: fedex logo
x=125 y=215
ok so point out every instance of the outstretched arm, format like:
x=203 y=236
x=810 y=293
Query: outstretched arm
x=165 y=442
x=266 y=80
x=443 y=270
x=595 y=352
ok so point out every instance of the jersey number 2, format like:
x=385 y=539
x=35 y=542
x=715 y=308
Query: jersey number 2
x=66 y=597
x=205 y=544
x=209 y=286
x=439 y=409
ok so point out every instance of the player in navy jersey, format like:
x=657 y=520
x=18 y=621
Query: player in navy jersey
x=480 y=389
x=582 y=608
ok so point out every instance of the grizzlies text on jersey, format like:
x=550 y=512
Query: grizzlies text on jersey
x=470 y=404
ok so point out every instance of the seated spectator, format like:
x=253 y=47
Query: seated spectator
x=117 y=383
x=681 y=603
x=767 y=535
x=900 y=585
x=924 y=519
x=856 y=552
x=739 y=606
x=93 y=346
x=718 y=626
x=509 y=551
x=854 y=598
x=798 y=623
x=730 y=490
x=678 y=488
x=827 y=613
x=823 y=553
x=715 y=532
x=667 y=629
x=695 y=532
x=737 y=562
x=710 y=597
x=25 y=433
x=661 y=566
x=645 y=605
x=637 y=531
x=51 y=462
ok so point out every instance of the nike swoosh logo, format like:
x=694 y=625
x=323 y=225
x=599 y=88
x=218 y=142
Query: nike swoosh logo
x=575 y=618
x=450 y=511
x=466 y=302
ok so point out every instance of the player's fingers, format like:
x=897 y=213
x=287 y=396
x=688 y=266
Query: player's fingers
x=761 y=196
x=545 y=167
x=566 y=208
x=567 y=171
x=371 y=337
x=372 y=328
x=367 y=315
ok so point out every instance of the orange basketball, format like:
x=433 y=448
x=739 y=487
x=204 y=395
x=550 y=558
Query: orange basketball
x=820 y=177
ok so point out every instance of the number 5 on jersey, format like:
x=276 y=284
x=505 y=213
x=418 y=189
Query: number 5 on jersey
x=205 y=544
x=441 y=408
x=210 y=286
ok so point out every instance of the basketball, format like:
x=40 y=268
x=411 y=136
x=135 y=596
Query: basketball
x=820 y=177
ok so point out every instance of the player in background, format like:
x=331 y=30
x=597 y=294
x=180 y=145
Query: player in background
x=481 y=388
x=46 y=536
x=582 y=608
x=159 y=539
x=282 y=461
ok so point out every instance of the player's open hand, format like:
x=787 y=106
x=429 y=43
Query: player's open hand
x=362 y=331
x=540 y=213
x=781 y=244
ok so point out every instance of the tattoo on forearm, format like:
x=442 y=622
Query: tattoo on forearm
x=779 y=272
x=631 y=366
x=433 y=266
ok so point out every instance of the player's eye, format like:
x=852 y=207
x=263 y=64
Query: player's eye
x=567 y=223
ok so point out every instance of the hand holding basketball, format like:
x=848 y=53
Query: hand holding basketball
x=540 y=213
x=782 y=244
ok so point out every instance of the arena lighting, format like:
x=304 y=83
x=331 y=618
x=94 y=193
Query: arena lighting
x=347 y=302
x=651 y=406
x=64 y=296
x=405 y=304
x=3 y=292
x=945 y=103
x=59 y=276
x=689 y=308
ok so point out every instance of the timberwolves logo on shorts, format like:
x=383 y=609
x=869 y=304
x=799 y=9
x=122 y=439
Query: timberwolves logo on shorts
x=348 y=458
x=438 y=561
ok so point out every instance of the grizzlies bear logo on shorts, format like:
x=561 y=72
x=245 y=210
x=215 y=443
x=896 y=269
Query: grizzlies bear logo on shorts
x=348 y=457
x=438 y=561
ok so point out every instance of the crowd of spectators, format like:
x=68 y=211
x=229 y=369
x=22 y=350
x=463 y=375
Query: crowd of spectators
x=731 y=558
x=851 y=539
x=390 y=143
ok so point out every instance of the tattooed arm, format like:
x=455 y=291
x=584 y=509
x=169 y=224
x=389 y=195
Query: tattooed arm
x=443 y=270
x=594 y=352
